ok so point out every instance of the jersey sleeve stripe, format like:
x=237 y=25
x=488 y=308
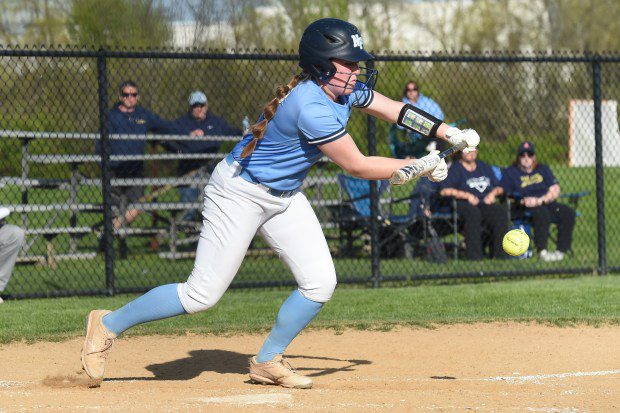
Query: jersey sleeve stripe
x=368 y=101
x=331 y=137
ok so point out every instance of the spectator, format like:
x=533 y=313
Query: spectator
x=415 y=145
x=536 y=190
x=127 y=117
x=476 y=187
x=11 y=240
x=198 y=121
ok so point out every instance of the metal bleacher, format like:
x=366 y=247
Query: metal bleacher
x=50 y=229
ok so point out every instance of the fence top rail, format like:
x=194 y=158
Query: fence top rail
x=97 y=136
x=484 y=56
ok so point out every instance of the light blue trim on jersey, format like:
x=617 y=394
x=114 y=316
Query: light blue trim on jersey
x=305 y=119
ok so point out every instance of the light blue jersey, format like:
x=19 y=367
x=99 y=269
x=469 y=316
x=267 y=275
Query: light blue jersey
x=305 y=119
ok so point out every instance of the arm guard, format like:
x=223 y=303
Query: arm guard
x=418 y=121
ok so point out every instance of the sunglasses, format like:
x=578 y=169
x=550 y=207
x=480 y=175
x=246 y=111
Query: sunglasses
x=528 y=154
x=198 y=105
x=126 y=95
x=415 y=89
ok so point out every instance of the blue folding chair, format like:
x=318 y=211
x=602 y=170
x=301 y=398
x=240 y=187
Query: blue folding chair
x=354 y=216
x=524 y=219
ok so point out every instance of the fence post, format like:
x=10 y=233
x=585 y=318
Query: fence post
x=108 y=228
x=371 y=135
x=600 y=182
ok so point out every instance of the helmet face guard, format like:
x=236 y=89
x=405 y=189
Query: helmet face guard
x=367 y=77
x=328 y=39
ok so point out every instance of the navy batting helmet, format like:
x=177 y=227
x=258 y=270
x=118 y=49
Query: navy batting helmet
x=327 y=39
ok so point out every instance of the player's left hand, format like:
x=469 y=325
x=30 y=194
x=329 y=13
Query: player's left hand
x=470 y=136
x=440 y=172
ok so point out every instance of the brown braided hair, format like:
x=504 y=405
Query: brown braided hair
x=269 y=111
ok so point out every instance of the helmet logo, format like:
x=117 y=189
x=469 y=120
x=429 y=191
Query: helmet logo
x=357 y=41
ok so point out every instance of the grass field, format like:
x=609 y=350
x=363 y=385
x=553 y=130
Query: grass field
x=569 y=301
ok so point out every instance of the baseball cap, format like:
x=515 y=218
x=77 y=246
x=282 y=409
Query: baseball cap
x=526 y=146
x=197 y=98
x=4 y=212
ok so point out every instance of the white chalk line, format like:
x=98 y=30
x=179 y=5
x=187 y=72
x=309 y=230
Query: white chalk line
x=537 y=377
x=266 y=398
x=6 y=384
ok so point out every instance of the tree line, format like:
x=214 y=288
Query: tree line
x=451 y=25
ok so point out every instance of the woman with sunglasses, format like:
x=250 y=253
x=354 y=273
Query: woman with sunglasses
x=257 y=189
x=536 y=190
x=413 y=144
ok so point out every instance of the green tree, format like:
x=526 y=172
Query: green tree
x=120 y=23
x=40 y=22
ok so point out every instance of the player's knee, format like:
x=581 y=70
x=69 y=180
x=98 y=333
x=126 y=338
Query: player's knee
x=194 y=300
x=321 y=290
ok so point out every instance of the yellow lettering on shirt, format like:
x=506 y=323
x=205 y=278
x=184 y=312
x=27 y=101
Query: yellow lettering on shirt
x=140 y=121
x=528 y=180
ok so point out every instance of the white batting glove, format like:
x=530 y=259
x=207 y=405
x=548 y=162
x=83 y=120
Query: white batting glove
x=440 y=172
x=470 y=136
x=418 y=167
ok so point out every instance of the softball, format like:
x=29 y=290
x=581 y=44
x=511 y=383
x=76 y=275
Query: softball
x=516 y=242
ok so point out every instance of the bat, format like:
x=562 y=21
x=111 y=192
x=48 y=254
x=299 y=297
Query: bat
x=415 y=169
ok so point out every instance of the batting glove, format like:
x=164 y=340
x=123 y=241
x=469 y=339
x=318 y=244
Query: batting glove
x=418 y=167
x=470 y=136
x=440 y=172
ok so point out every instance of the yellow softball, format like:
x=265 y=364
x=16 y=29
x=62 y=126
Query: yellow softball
x=516 y=242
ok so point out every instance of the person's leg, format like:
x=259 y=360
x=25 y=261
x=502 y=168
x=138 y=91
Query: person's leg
x=11 y=240
x=159 y=303
x=472 y=221
x=230 y=223
x=296 y=235
x=541 y=221
x=189 y=194
x=495 y=218
x=564 y=216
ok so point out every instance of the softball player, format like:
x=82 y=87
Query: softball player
x=257 y=189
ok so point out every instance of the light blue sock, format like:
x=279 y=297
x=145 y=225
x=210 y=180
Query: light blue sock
x=160 y=302
x=296 y=312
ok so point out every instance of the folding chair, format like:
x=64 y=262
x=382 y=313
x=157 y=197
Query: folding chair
x=353 y=216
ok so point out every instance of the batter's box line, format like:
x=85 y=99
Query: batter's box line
x=536 y=378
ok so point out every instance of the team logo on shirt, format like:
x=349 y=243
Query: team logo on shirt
x=480 y=183
x=527 y=180
x=357 y=41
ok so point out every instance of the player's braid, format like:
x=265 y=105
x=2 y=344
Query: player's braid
x=269 y=111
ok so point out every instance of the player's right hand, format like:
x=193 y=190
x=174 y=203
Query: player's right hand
x=439 y=172
x=470 y=136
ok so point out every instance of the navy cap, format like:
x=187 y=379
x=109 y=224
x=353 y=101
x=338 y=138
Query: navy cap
x=526 y=146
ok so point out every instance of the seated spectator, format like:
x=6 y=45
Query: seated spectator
x=535 y=190
x=127 y=117
x=476 y=187
x=198 y=121
x=415 y=145
x=11 y=240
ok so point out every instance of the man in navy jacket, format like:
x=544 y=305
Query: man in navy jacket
x=198 y=121
x=127 y=117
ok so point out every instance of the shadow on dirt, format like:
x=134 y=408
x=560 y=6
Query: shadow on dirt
x=230 y=362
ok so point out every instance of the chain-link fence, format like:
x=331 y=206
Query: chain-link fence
x=108 y=208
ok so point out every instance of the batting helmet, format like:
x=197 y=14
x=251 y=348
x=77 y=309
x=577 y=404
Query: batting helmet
x=327 y=39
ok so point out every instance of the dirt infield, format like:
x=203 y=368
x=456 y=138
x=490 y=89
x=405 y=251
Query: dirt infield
x=482 y=367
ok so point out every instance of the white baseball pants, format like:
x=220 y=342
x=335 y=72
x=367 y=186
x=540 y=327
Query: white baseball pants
x=234 y=211
x=11 y=240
